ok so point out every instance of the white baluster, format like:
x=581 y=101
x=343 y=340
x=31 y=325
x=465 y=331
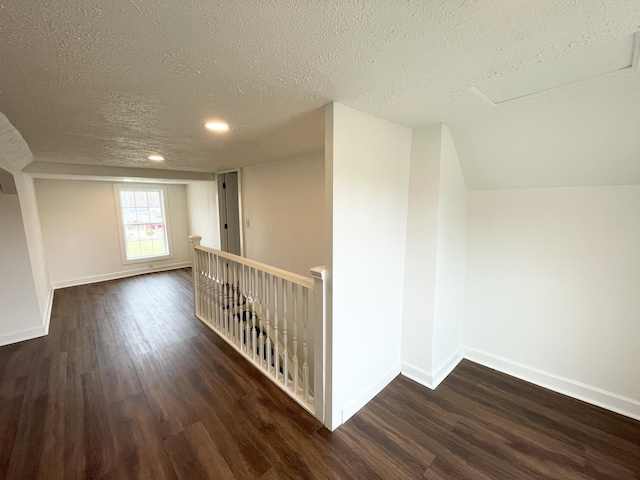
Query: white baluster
x=234 y=307
x=214 y=302
x=285 y=345
x=276 y=337
x=246 y=292
x=217 y=290
x=209 y=290
x=226 y=300
x=294 y=294
x=305 y=349
x=202 y=288
x=218 y=293
x=260 y=277
x=267 y=281
x=196 y=280
x=252 y=308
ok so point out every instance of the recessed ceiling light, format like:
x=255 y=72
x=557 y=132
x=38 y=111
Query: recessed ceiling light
x=156 y=158
x=217 y=126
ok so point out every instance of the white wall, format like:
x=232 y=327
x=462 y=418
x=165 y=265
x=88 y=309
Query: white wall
x=421 y=251
x=202 y=204
x=553 y=289
x=283 y=201
x=451 y=262
x=31 y=219
x=80 y=231
x=20 y=316
x=370 y=179
x=33 y=311
x=433 y=309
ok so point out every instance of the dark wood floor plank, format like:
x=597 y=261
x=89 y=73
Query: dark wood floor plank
x=138 y=445
x=128 y=384
x=100 y=455
x=10 y=409
x=50 y=466
x=171 y=411
x=242 y=450
x=195 y=456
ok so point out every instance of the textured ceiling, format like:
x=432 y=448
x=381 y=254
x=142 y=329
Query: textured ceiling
x=108 y=83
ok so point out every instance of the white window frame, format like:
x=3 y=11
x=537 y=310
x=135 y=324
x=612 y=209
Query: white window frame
x=117 y=188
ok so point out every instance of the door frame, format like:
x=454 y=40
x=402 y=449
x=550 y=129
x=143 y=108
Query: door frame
x=237 y=171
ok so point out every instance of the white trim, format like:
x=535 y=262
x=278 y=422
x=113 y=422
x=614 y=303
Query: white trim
x=432 y=380
x=587 y=393
x=117 y=188
x=446 y=368
x=116 y=275
x=47 y=313
x=417 y=374
x=365 y=397
x=33 y=332
x=22 y=335
x=240 y=214
x=223 y=206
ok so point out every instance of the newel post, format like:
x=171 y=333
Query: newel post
x=195 y=241
x=319 y=334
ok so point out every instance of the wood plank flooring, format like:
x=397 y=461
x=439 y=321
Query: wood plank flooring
x=128 y=384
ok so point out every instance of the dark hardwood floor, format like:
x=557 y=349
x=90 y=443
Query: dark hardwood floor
x=128 y=384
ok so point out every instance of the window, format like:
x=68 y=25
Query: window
x=144 y=230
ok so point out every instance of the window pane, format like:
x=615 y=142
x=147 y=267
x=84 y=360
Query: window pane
x=131 y=232
x=133 y=249
x=159 y=248
x=128 y=215
x=154 y=199
x=155 y=215
x=142 y=215
x=127 y=199
x=146 y=248
x=141 y=198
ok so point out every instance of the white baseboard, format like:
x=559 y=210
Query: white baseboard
x=417 y=374
x=587 y=393
x=116 y=275
x=352 y=407
x=22 y=335
x=33 y=332
x=432 y=380
x=446 y=368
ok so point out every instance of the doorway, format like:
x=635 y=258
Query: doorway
x=229 y=203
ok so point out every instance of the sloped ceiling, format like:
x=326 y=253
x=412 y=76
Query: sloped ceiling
x=109 y=83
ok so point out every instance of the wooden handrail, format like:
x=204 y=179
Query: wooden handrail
x=277 y=272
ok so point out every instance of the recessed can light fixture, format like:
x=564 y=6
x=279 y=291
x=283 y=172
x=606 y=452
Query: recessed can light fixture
x=217 y=126
x=156 y=158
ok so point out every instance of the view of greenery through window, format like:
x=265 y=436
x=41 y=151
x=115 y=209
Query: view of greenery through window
x=144 y=223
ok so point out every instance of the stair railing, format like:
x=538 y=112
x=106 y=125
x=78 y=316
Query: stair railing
x=274 y=318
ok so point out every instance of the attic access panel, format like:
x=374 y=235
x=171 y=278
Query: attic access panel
x=584 y=65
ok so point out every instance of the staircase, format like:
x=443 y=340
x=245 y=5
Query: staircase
x=274 y=318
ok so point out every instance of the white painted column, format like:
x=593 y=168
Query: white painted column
x=195 y=241
x=319 y=334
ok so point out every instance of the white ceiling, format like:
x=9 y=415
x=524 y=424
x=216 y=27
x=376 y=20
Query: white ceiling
x=108 y=83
